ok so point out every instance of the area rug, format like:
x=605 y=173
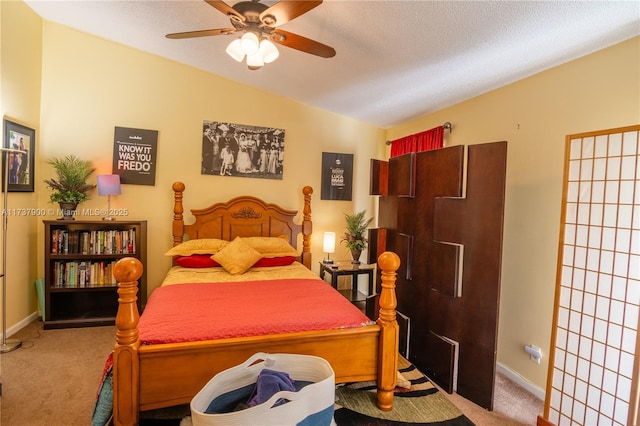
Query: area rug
x=416 y=401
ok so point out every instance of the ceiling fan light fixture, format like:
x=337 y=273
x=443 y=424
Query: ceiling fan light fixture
x=249 y=43
x=268 y=51
x=256 y=24
x=235 y=50
x=255 y=61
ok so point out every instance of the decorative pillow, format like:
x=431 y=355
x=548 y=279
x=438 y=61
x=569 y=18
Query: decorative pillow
x=198 y=246
x=274 y=261
x=237 y=256
x=271 y=246
x=197 y=261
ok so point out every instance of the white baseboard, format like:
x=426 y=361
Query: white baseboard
x=521 y=381
x=22 y=324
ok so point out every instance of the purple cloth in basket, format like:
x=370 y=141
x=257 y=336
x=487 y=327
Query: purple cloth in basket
x=268 y=383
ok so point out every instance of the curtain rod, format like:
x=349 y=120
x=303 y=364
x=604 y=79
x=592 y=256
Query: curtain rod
x=447 y=126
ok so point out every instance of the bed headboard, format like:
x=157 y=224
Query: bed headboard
x=244 y=216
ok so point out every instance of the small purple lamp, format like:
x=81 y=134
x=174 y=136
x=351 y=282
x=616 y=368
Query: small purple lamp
x=108 y=185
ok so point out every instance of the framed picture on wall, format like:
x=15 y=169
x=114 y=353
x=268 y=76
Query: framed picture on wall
x=231 y=149
x=18 y=157
x=337 y=176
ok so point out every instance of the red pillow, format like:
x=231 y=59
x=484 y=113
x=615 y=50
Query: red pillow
x=196 y=261
x=274 y=261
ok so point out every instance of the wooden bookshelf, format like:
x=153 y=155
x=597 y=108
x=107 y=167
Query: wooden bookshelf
x=80 y=290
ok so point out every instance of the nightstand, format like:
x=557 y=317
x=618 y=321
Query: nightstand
x=347 y=268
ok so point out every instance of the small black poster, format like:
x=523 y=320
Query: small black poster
x=134 y=155
x=337 y=176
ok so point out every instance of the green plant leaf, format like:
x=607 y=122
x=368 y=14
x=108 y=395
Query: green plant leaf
x=70 y=184
x=356 y=228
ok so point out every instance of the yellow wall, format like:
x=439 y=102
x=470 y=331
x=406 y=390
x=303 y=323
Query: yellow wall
x=534 y=115
x=20 y=76
x=91 y=85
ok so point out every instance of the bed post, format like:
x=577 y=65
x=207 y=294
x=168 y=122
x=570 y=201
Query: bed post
x=306 y=227
x=178 y=209
x=389 y=263
x=126 y=364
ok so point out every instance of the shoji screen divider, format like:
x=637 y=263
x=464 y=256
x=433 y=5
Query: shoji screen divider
x=592 y=377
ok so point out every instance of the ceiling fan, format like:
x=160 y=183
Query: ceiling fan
x=260 y=24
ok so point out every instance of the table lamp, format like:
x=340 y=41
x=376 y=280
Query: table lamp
x=108 y=185
x=329 y=245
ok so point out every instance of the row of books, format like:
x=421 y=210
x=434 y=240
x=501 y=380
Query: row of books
x=83 y=274
x=114 y=241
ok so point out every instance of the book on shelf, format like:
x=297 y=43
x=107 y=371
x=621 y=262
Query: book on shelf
x=80 y=274
x=96 y=242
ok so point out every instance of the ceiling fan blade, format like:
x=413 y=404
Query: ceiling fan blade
x=202 y=33
x=301 y=43
x=225 y=8
x=286 y=10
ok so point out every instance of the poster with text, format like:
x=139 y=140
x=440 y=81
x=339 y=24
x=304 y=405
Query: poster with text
x=134 y=155
x=337 y=176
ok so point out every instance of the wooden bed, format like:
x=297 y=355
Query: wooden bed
x=148 y=377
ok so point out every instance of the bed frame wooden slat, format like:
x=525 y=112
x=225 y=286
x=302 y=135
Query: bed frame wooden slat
x=147 y=377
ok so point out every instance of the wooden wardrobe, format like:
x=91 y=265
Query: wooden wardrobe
x=441 y=211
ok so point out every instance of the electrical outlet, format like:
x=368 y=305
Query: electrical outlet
x=535 y=353
x=534 y=359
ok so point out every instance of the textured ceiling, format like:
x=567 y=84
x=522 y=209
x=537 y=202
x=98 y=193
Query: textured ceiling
x=396 y=60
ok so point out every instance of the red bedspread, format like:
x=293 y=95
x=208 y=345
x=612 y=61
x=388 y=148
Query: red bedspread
x=193 y=312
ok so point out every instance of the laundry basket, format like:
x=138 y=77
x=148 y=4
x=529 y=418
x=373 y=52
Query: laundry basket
x=311 y=405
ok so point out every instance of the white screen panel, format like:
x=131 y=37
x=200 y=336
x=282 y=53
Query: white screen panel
x=586 y=170
x=613 y=168
x=597 y=308
x=628 y=168
x=630 y=143
x=615 y=145
x=629 y=337
x=582 y=232
x=597 y=192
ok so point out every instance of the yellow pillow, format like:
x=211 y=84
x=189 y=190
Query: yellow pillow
x=197 y=246
x=271 y=246
x=237 y=256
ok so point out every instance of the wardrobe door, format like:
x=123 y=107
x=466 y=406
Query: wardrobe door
x=448 y=234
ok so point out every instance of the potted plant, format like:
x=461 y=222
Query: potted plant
x=354 y=238
x=70 y=185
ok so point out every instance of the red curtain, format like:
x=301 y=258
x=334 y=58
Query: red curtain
x=424 y=141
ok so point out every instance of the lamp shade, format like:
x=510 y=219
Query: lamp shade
x=108 y=184
x=249 y=43
x=329 y=242
x=268 y=51
x=235 y=50
x=255 y=61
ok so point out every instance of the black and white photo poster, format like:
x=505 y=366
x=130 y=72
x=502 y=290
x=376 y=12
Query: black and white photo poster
x=230 y=149
x=337 y=176
x=134 y=155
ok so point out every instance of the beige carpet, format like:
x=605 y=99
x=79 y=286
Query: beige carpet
x=53 y=379
x=512 y=406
